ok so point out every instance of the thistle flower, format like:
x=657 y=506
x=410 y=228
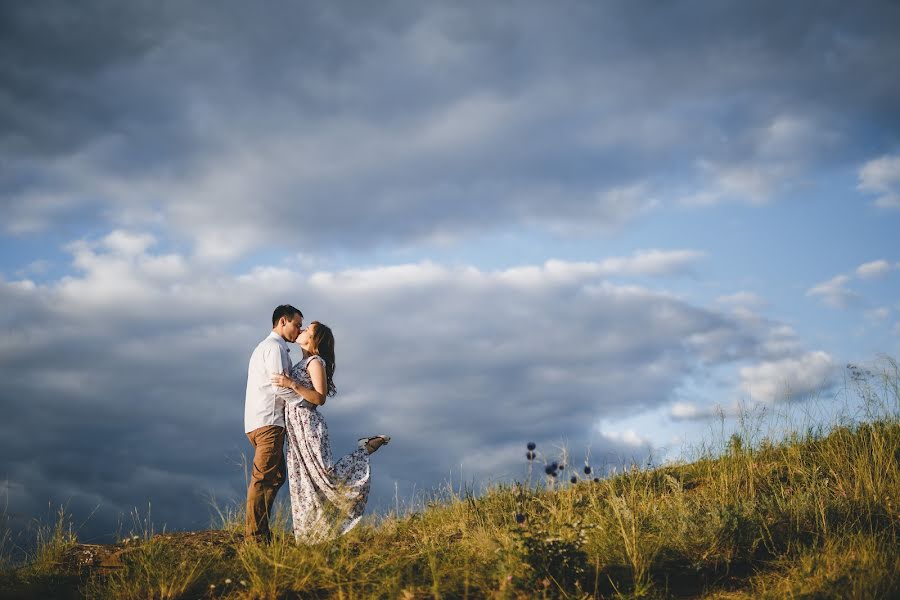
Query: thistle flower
x=596 y=480
x=574 y=479
x=532 y=445
x=550 y=470
x=587 y=469
x=529 y=455
x=520 y=518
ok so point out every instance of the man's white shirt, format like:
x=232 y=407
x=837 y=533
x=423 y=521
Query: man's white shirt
x=264 y=404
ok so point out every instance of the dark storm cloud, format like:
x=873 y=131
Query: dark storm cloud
x=55 y=57
x=125 y=381
x=409 y=121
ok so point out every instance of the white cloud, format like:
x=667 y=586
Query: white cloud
x=769 y=159
x=128 y=242
x=689 y=411
x=873 y=269
x=629 y=437
x=685 y=410
x=743 y=299
x=35 y=267
x=652 y=262
x=751 y=183
x=780 y=341
x=789 y=135
x=881 y=176
x=788 y=378
x=603 y=209
x=835 y=292
x=878 y=314
x=641 y=263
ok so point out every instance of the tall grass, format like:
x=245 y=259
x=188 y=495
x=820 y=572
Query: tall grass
x=6 y=544
x=53 y=540
x=813 y=514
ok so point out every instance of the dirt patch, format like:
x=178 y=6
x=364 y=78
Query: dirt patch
x=82 y=559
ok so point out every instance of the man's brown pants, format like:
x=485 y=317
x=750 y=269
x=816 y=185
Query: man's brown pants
x=266 y=479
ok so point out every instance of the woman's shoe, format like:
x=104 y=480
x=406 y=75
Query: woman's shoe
x=374 y=443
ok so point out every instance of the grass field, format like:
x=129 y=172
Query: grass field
x=814 y=514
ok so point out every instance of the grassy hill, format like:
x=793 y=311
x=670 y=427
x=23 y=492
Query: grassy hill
x=816 y=515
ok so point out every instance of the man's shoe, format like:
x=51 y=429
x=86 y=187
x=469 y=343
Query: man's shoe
x=260 y=539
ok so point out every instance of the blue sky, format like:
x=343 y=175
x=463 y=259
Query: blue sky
x=591 y=223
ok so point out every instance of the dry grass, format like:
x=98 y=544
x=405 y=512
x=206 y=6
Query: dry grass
x=813 y=516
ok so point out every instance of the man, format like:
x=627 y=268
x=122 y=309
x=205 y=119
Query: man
x=264 y=418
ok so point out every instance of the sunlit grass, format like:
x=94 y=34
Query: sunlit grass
x=814 y=514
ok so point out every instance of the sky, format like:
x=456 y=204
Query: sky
x=601 y=226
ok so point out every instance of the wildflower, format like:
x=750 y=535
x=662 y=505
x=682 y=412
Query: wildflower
x=596 y=480
x=242 y=582
x=550 y=470
x=520 y=518
x=212 y=586
x=529 y=455
x=532 y=445
x=587 y=469
x=228 y=582
x=574 y=479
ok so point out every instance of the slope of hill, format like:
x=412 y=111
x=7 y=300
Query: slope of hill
x=816 y=515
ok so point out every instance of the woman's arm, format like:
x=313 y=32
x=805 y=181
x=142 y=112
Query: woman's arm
x=316 y=376
x=320 y=382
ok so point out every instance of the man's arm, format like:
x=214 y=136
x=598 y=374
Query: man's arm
x=275 y=366
x=313 y=396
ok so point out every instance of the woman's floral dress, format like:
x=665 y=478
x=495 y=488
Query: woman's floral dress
x=327 y=498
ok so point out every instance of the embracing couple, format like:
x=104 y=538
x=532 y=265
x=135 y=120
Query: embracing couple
x=283 y=399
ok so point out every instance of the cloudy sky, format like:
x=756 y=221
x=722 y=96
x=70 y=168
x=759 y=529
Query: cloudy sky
x=575 y=223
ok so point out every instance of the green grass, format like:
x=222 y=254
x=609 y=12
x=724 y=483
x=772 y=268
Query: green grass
x=40 y=576
x=815 y=515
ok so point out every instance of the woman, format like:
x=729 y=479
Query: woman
x=327 y=498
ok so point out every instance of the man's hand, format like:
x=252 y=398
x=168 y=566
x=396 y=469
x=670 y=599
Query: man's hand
x=281 y=380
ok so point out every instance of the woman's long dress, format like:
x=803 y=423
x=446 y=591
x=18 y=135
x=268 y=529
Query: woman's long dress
x=327 y=498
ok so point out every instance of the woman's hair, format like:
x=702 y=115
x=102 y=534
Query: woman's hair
x=321 y=342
